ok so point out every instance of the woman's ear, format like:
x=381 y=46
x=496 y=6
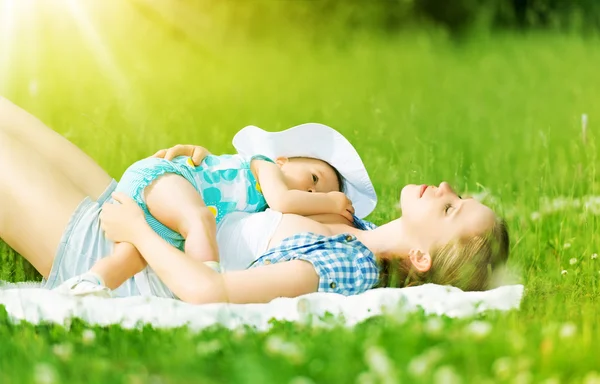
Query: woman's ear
x=420 y=260
x=281 y=160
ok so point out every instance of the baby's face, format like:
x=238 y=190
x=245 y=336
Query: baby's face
x=306 y=174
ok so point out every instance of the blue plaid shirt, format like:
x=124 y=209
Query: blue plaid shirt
x=344 y=264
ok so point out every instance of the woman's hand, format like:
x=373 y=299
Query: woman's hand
x=196 y=152
x=122 y=222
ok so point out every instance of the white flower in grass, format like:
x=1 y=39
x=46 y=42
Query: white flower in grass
x=239 y=333
x=594 y=256
x=208 y=348
x=567 y=245
x=67 y=323
x=573 y=261
x=564 y=272
x=366 y=378
x=418 y=366
x=44 y=373
x=446 y=375
x=502 y=367
x=591 y=378
x=568 y=330
x=63 y=351
x=139 y=377
x=434 y=326
x=155 y=379
x=88 y=336
x=276 y=345
x=523 y=378
x=136 y=379
x=551 y=380
x=479 y=329
x=380 y=364
x=378 y=360
x=518 y=342
x=301 y=380
x=536 y=216
x=423 y=363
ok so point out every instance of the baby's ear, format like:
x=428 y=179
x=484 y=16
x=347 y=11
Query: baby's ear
x=281 y=160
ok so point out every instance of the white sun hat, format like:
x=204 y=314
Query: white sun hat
x=320 y=142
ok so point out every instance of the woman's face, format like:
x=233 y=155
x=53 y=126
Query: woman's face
x=434 y=216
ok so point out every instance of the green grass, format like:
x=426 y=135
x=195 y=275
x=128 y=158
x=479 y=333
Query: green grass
x=498 y=112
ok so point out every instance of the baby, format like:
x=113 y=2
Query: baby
x=309 y=169
x=183 y=203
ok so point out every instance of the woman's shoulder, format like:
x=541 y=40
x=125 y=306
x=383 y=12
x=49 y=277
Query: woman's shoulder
x=344 y=264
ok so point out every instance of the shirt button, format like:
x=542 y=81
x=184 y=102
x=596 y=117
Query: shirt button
x=332 y=285
x=349 y=238
x=268 y=261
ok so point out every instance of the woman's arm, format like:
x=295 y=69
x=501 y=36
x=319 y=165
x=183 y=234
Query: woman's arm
x=191 y=280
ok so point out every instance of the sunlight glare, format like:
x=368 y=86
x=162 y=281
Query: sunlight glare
x=106 y=61
x=7 y=31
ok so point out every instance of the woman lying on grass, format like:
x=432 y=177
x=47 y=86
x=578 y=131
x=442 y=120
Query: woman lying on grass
x=52 y=192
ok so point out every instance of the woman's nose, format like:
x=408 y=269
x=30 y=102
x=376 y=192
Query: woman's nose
x=445 y=188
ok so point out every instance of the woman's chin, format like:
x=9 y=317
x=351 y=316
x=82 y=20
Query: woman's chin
x=405 y=194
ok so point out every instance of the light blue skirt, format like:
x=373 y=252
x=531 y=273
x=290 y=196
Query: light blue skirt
x=83 y=243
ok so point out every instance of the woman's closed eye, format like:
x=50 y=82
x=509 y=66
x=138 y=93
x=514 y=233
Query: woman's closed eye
x=447 y=208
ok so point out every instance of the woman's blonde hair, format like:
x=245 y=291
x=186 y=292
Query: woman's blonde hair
x=467 y=264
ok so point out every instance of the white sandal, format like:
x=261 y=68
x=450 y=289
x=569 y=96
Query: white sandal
x=84 y=285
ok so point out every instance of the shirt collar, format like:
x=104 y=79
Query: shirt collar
x=363 y=224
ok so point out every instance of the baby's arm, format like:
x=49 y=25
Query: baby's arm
x=195 y=152
x=280 y=198
x=124 y=262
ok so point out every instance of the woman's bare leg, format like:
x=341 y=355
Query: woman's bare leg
x=58 y=153
x=36 y=202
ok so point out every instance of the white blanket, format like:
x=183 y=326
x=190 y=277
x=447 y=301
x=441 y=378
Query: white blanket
x=27 y=302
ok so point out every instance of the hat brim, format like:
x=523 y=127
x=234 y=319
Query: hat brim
x=320 y=142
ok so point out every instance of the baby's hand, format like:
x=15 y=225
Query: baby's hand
x=342 y=205
x=195 y=152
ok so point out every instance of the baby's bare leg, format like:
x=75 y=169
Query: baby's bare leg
x=173 y=201
x=115 y=269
